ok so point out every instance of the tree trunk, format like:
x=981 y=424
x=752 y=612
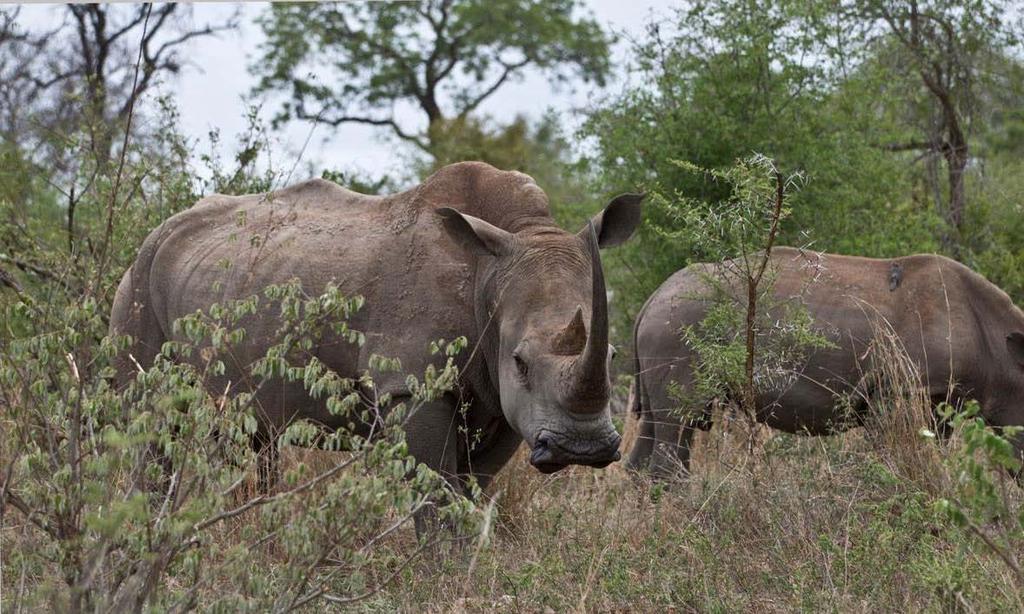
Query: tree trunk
x=956 y=164
x=749 y=392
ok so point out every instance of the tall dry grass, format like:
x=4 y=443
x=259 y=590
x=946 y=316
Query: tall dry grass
x=840 y=523
x=901 y=422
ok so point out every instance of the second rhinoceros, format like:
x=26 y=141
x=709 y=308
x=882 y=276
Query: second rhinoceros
x=964 y=335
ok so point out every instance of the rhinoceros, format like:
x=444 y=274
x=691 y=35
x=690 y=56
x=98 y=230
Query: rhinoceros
x=963 y=333
x=473 y=251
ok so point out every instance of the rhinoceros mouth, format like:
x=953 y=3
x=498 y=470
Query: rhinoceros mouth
x=550 y=454
x=543 y=458
x=549 y=468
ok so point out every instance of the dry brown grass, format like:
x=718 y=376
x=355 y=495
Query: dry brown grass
x=842 y=523
x=900 y=413
x=801 y=524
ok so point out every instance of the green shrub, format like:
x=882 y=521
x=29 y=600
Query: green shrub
x=123 y=487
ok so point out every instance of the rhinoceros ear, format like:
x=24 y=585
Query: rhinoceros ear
x=618 y=221
x=1015 y=345
x=475 y=234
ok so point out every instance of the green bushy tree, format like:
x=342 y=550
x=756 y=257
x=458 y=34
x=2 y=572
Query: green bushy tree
x=78 y=465
x=720 y=80
x=355 y=63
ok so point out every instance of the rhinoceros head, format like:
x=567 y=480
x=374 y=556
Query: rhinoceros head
x=546 y=320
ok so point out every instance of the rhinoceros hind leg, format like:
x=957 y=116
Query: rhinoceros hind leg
x=674 y=427
x=643 y=446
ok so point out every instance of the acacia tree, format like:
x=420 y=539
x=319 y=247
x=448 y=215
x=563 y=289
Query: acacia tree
x=750 y=340
x=358 y=62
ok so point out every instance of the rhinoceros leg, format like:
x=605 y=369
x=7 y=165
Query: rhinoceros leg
x=431 y=433
x=643 y=446
x=485 y=463
x=1000 y=417
x=267 y=461
x=666 y=435
x=671 y=456
x=1018 y=449
x=131 y=315
x=662 y=446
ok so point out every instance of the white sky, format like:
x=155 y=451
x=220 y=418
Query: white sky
x=211 y=91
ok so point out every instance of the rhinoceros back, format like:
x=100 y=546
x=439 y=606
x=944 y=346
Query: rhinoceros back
x=417 y=284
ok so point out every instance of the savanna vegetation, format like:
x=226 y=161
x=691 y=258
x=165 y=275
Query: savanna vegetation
x=866 y=127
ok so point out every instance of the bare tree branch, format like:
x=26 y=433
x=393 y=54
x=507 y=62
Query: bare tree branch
x=510 y=69
x=337 y=120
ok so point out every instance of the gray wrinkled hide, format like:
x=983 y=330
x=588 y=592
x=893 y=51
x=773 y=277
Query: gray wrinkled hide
x=977 y=343
x=495 y=268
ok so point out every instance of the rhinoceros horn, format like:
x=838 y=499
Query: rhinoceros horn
x=572 y=339
x=589 y=374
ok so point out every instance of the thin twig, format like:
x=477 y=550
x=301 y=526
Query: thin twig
x=105 y=255
x=265 y=499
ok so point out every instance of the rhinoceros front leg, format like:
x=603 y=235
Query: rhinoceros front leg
x=485 y=463
x=431 y=437
x=643 y=446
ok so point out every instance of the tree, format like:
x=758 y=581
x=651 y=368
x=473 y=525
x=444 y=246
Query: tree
x=359 y=62
x=67 y=111
x=718 y=82
x=750 y=340
x=19 y=50
x=89 y=72
x=953 y=47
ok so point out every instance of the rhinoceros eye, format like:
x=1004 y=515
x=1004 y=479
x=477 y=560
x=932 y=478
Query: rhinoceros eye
x=521 y=367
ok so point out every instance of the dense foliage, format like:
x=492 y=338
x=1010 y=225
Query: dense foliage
x=354 y=62
x=790 y=81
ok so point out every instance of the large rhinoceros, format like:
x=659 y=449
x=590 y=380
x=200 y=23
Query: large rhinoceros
x=956 y=326
x=472 y=252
